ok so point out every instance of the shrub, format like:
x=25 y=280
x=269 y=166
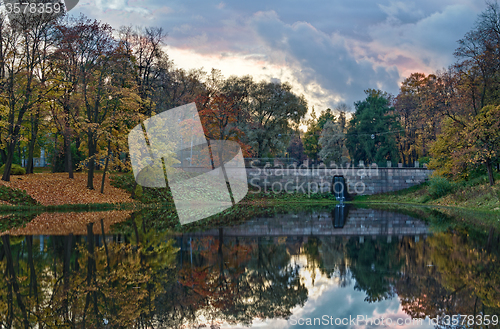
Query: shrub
x=143 y=194
x=14 y=170
x=439 y=187
x=138 y=191
x=123 y=181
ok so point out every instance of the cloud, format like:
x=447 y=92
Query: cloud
x=317 y=58
x=330 y=51
x=427 y=44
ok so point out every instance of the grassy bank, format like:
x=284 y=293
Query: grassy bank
x=163 y=195
x=475 y=194
x=474 y=202
x=55 y=192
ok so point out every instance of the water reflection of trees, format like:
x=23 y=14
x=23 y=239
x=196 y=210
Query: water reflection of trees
x=92 y=282
x=454 y=272
x=451 y=273
x=233 y=281
x=76 y=284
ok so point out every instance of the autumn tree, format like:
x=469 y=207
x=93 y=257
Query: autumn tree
x=219 y=116
x=479 y=60
x=25 y=43
x=66 y=67
x=473 y=101
x=485 y=135
x=104 y=88
x=144 y=46
x=220 y=106
x=466 y=143
x=410 y=104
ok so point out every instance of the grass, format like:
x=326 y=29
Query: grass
x=163 y=195
x=17 y=219
x=475 y=194
x=16 y=197
x=4 y=209
x=48 y=170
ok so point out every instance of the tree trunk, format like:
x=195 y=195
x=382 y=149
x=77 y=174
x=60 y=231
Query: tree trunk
x=55 y=154
x=489 y=167
x=226 y=179
x=31 y=147
x=90 y=268
x=67 y=153
x=13 y=279
x=11 y=147
x=66 y=275
x=106 y=167
x=90 y=176
x=3 y=156
x=105 y=244
x=31 y=151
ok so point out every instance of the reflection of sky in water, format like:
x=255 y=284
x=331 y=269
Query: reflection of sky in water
x=326 y=297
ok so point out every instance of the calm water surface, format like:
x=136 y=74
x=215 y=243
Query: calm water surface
x=316 y=269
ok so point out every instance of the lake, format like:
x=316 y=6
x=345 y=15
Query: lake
x=317 y=267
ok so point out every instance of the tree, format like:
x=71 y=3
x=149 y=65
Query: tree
x=447 y=150
x=480 y=60
x=331 y=142
x=65 y=65
x=410 y=104
x=273 y=110
x=296 y=148
x=325 y=116
x=372 y=129
x=485 y=135
x=467 y=142
x=221 y=110
x=144 y=46
x=107 y=90
x=314 y=128
x=311 y=137
x=24 y=42
x=342 y=109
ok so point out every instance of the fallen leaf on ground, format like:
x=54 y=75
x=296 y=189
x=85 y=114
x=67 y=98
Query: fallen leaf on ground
x=57 y=189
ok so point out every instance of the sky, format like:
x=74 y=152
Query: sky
x=329 y=50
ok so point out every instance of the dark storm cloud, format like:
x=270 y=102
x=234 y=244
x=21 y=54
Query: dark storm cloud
x=324 y=59
x=338 y=46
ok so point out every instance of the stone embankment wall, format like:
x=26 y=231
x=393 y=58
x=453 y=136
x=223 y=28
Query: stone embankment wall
x=359 y=180
x=358 y=222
